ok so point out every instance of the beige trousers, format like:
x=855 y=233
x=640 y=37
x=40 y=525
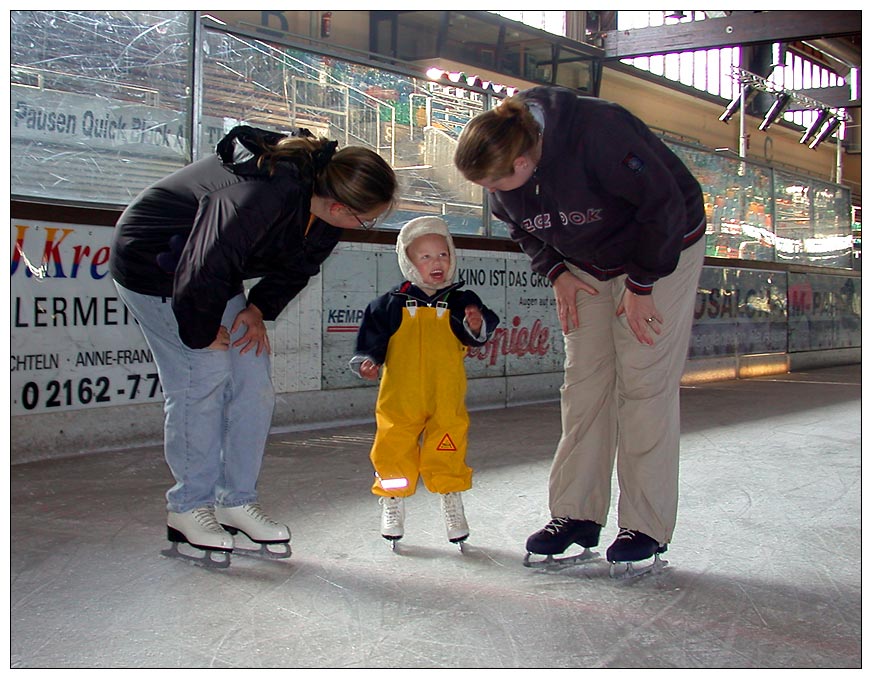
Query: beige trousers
x=621 y=397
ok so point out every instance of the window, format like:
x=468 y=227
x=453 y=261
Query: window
x=712 y=70
x=102 y=106
x=100 y=102
x=705 y=70
x=412 y=123
x=547 y=20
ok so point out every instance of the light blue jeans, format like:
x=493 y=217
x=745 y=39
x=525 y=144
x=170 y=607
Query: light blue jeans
x=218 y=408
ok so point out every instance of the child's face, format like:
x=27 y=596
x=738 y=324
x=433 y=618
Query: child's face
x=431 y=258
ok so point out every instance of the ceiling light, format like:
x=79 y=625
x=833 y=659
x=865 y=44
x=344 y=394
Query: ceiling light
x=734 y=105
x=813 y=129
x=777 y=108
x=825 y=132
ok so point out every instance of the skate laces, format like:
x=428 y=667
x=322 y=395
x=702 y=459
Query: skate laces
x=205 y=516
x=640 y=538
x=391 y=510
x=453 y=510
x=556 y=525
x=255 y=511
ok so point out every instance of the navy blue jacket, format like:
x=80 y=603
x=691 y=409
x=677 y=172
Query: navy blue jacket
x=384 y=315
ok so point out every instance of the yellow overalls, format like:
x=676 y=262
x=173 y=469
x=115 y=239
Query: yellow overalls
x=421 y=409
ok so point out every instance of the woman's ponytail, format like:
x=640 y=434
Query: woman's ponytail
x=355 y=176
x=490 y=143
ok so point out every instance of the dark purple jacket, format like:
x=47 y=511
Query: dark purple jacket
x=608 y=195
x=198 y=233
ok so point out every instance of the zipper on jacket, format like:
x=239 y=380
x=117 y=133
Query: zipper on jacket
x=309 y=226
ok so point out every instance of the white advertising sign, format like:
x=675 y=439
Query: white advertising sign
x=73 y=342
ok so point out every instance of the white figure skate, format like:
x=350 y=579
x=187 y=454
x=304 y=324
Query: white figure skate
x=199 y=529
x=392 y=519
x=272 y=540
x=455 y=519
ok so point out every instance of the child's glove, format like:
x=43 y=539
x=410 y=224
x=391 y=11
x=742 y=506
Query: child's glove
x=474 y=319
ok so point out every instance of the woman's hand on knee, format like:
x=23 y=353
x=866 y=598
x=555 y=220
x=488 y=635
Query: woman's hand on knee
x=255 y=336
x=566 y=288
x=221 y=341
x=642 y=316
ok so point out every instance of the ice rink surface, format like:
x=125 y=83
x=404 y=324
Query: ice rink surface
x=764 y=568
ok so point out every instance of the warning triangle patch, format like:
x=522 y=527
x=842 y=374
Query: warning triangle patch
x=446 y=444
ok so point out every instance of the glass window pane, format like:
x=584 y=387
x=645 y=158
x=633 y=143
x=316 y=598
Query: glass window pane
x=792 y=215
x=100 y=102
x=574 y=71
x=412 y=123
x=686 y=66
x=479 y=52
x=737 y=199
x=830 y=243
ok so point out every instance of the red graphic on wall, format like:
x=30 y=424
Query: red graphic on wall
x=519 y=340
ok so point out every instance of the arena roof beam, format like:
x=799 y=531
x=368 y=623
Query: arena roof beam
x=740 y=28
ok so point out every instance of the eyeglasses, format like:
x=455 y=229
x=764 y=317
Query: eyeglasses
x=366 y=224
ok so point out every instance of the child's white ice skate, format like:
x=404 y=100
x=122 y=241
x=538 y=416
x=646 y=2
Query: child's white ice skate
x=455 y=519
x=392 y=519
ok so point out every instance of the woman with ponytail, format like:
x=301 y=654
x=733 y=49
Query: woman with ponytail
x=616 y=222
x=268 y=206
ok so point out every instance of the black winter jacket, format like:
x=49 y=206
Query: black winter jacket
x=384 y=315
x=198 y=233
x=608 y=195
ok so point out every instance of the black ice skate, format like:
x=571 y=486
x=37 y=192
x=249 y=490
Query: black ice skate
x=557 y=537
x=199 y=530
x=632 y=547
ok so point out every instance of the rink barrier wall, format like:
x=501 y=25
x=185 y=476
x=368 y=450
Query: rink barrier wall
x=81 y=432
x=745 y=320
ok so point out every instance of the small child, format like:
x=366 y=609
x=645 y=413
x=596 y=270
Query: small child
x=418 y=332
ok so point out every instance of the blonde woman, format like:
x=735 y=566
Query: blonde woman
x=611 y=216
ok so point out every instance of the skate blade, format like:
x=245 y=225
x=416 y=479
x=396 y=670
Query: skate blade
x=261 y=550
x=551 y=562
x=205 y=558
x=627 y=570
x=394 y=540
x=460 y=543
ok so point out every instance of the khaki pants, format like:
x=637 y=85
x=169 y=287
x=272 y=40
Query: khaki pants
x=621 y=397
